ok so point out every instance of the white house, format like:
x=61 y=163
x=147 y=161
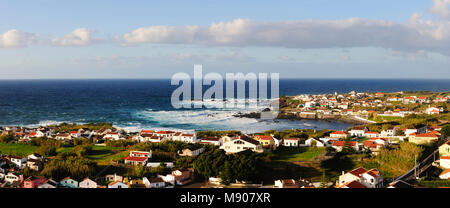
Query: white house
x=137 y=158
x=19 y=161
x=191 y=138
x=358 y=131
x=211 y=140
x=432 y=111
x=117 y=184
x=113 y=177
x=50 y=183
x=368 y=178
x=169 y=178
x=371 y=134
x=313 y=142
x=112 y=136
x=35 y=156
x=87 y=183
x=286 y=183
x=75 y=134
x=154 y=182
x=389 y=132
x=291 y=142
x=418 y=130
x=63 y=136
x=338 y=134
x=444 y=162
x=277 y=142
x=372 y=178
x=12 y=177
x=445 y=174
x=191 y=152
x=141 y=154
x=166 y=134
x=339 y=145
x=240 y=144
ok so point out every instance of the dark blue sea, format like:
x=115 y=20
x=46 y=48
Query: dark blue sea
x=137 y=104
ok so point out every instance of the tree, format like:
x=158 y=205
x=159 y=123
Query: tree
x=227 y=175
x=313 y=143
x=399 y=133
x=139 y=171
x=48 y=148
x=6 y=138
x=446 y=130
x=82 y=150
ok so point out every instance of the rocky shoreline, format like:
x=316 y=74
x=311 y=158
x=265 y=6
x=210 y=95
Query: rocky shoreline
x=292 y=117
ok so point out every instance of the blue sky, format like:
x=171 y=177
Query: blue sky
x=154 y=39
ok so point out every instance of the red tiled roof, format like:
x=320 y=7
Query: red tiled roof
x=344 y=143
x=139 y=159
x=354 y=184
x=358 y=171
x=445 y=172
x=367 y=143
x=426 y=135
x=293 y=139
x=262 y=137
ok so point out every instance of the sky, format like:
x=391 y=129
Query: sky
x=402 y=39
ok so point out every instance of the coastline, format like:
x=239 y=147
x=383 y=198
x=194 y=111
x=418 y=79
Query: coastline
x=315 y=117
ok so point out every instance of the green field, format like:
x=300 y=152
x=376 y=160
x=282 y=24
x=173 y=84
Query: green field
x=298 y=154
x=380 y=119
x=17 y=149
x=100 y=154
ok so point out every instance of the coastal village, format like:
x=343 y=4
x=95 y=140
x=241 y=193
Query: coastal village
x=412 y=126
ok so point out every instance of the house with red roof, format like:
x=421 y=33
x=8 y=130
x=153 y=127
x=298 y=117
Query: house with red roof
x=361 y=178
x=265 y=141
x=75 y=134
x=432 y=111
x=444 y=149
x=371 y=134
x=144 y=131
x=339 y=145
x=291 y=142
x=445 y=174
x=339 y=134
x=425 y=138
x=137 y=158
x=444 y=162
x=372 y=146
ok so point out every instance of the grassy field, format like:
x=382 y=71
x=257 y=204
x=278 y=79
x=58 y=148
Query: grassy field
x=17 y=149
x=103 y=154
x=100 y=154
x=380 y=119
x=298 y=154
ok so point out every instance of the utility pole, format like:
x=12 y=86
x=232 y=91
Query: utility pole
x=415 y=166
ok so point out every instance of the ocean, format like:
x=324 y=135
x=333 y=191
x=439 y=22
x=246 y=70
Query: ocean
x=139 y=104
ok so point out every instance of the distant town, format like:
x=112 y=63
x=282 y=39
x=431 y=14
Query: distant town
x=399 y=140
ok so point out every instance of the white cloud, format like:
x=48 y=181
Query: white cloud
x=441 y=8
x=16 y=39
x=414 y=35
x=78 y=37
x=161 y=34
